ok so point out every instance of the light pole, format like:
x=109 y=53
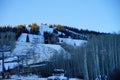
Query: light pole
x=2 y=50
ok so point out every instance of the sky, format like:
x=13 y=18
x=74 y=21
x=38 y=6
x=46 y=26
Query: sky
x=97 y=15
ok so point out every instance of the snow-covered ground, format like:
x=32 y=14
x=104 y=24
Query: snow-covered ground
x=44 y=28
x=32 y=38
x=38 y=52
x=33 y=77
x=41 y=52
x=8 y=65
x=73 y=42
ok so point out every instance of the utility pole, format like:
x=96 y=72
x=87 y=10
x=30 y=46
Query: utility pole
x=2 y=50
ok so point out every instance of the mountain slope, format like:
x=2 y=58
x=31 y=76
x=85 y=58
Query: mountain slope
x=36 y=51
x=35 y=48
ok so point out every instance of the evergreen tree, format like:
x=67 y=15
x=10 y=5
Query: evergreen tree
x=27 y=38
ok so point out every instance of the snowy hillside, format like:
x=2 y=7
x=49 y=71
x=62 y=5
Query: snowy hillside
x=73 y=42
x=44 y=28
x=36 y=45
x=35 y=50
x=36 y=53
x=32 y=38
x=41 y=52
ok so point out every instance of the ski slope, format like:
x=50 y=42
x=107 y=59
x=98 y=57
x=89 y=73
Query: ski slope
x=45 y=28
x=35 y=48
x=33 y=38
x=73 y=42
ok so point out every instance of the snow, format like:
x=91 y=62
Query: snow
x=60 y=33
x=44 y=28
x=59 y=70
x=7 y=54
x=28 y=28
x=8 y=65
x=74 y=42
x=32 y=38
x=37 y=51
x=42 y=52
x=33 y=77
x=75 y=79
x=10 y=59
x=72 y=31
x=57 y=77
x=56 y=47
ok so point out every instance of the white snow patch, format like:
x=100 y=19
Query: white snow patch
x=73 y=42
x=33 y=77
x=8 y=65
x=32 y=38
x=44 y=28
x=56 y=47
x=28 y=28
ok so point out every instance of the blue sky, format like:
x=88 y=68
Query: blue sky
x=98 y=15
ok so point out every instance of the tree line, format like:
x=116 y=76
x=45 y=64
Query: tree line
x=19 y=29
x=100 y=56
x=66 y=31
x=76 y=33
